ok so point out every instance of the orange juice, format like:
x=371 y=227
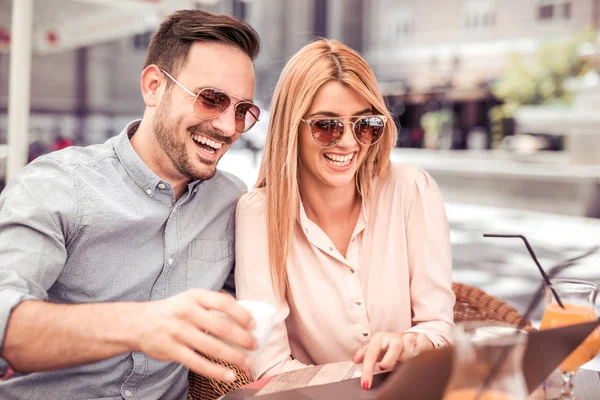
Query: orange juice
x=572 y=314
x=471 y=394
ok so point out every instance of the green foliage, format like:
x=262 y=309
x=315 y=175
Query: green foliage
x=539 y=80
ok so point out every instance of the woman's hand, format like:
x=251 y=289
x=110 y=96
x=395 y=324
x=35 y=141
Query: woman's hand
x=389 y=347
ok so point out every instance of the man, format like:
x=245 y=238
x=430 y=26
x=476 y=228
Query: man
x=112 y=255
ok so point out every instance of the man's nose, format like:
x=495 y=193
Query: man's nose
x=226 y=122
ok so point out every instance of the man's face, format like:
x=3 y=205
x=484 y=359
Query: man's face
x=179 y=132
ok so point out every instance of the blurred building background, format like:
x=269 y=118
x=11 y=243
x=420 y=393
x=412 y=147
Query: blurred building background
x=497 y=99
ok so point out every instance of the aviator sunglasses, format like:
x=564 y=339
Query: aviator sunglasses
x=210 y=103
x=327 y=132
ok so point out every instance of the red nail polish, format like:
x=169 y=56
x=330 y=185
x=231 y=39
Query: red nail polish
x=381 y=368
x=365 y=385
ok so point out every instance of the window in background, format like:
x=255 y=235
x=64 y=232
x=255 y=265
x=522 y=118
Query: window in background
x=479 y=14
x=549 y=10
x=399 y=26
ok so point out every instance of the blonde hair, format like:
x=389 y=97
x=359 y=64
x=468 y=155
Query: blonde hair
x=314 y=65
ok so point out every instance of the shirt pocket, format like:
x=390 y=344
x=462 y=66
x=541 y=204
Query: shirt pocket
x=209 y=262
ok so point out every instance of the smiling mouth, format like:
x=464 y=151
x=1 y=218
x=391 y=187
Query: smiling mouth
x=339 y=161
x=208 y=145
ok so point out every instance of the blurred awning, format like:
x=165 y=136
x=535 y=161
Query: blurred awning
x=60 y=25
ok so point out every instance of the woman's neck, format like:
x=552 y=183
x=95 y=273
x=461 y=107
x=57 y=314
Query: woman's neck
x=328 y=205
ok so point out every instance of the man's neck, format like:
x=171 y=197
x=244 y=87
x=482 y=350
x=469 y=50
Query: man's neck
x=151 y=153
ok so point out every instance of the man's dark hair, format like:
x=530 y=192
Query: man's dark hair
x=171 y=44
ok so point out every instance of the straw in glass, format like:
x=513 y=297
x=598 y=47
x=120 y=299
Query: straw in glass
x=532 y=253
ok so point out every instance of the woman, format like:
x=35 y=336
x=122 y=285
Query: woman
x=353 y=251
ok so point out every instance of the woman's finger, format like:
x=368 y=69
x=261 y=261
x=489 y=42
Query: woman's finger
x=372 y=355
x=392 y=354
x=358 y=357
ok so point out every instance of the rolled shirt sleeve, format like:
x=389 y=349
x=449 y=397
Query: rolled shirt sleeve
x=430 y=263
x=38 y=212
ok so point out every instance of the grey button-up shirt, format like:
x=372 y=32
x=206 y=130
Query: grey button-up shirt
x=95 y=224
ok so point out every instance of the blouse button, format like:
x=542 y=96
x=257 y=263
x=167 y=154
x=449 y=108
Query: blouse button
x=358 y=302
x=365 y=333
x=330 y=248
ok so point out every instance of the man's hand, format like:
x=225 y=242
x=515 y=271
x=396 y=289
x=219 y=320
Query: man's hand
x=174 y=329
x=389 y=348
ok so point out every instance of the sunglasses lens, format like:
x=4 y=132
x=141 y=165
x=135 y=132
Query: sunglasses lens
x=327 y=132
x=369 y=130
x=210 y=103
x=246 y=115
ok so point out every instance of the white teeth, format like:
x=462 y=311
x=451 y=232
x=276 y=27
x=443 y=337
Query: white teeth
x=335 y=157
x=207 y=141
x=339 y=160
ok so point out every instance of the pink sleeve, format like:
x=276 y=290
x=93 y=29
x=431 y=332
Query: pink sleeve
x=253 y=282
x=430 y=263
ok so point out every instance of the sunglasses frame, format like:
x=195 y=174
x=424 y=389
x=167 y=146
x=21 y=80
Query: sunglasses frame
x=311 y=122
x=196 y=96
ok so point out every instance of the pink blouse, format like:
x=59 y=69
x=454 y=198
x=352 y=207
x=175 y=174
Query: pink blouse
x=396 y=276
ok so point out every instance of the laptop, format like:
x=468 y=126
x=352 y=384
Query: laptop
x=425 y=376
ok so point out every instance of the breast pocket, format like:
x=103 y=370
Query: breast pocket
x=209 y=263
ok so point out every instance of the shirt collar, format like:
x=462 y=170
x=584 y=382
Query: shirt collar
x=141 y=174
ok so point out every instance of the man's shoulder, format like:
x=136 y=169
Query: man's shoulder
x=74 y=156
x=227 y=182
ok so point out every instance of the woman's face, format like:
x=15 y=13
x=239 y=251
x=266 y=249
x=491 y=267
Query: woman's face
x=332 y=167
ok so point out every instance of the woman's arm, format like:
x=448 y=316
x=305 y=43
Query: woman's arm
x=253 y=282
x=430 y=263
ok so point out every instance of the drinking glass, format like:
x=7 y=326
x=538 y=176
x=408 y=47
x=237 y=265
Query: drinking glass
x=579 y=300
x=487 y=349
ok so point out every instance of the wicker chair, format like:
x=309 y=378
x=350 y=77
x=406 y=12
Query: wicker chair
x=472 y=304
x=203 y=388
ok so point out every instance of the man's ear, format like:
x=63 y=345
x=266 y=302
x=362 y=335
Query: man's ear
x=151 y=81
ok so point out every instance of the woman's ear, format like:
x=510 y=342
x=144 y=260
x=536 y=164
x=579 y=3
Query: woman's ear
x=151 y=81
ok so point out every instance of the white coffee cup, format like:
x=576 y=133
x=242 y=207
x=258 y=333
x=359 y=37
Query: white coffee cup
x=263 y=314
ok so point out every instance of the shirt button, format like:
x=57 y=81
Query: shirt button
x=195 y=190
x=365 y=333
x=127 y=393
x=149 y=191
x=358 y=302
x=161 y=186
x=170 y=261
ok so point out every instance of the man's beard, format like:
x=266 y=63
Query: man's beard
x=175 y=147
